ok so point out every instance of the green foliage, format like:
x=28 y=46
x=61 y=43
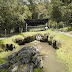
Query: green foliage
x=52 y=22
x=41 y=11
x=66 y=13
x=56 y=14
x=12 y=14
x=66 y=1
x=60 y=24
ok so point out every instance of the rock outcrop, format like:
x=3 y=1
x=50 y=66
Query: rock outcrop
x=45 y=37
x=56 y=43
x=25 y=60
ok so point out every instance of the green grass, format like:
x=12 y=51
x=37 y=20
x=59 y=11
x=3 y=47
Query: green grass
x=38 y=69
x=36 y=29
x=67 y=29
x=70 y=32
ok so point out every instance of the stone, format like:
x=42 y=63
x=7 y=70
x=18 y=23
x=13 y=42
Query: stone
x=41 y=63
x=38 y=37
x=50 y=42
x=9 y=47
x=13 y=68
x=31 y=67
x=35 y=61
x=12 y=58
x=4 y=65
x=56 y=43
x=1 y=66
x=20 y=69
x=27 y=68
x=45 y=38
x=29 y=39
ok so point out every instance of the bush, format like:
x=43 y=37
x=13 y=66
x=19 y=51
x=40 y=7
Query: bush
x=52 y=23
x=60 y=24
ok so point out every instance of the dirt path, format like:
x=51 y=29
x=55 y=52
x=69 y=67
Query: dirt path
x=66 y=33
x=50 y=61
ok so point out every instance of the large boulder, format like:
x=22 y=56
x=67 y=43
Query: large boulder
x=25 y=59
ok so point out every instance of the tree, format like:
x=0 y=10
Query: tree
x=12 y=14
x=56 y=14
x=41 y=11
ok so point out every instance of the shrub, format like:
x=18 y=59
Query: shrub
x=60 y=24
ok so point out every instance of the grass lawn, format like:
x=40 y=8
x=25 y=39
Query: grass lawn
x=70 y=32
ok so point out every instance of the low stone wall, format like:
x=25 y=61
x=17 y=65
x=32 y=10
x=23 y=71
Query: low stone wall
x=26 y=39
x=25 y=60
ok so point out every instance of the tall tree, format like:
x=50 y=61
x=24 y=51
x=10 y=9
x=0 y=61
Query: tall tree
x=13 y=14
x=41 y=11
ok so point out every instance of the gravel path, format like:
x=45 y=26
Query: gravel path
x=66 y=33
